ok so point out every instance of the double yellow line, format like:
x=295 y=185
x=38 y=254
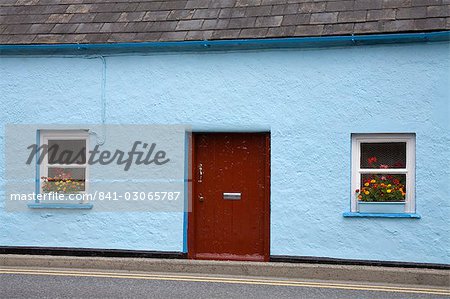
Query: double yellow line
x=249 y=281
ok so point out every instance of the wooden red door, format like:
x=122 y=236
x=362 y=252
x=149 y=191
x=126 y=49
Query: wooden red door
x=230 y=197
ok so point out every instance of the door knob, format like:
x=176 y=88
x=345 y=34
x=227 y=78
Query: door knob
x=201 y=198
x=200 y=173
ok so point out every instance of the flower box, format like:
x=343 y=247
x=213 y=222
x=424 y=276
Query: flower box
x=387 y=207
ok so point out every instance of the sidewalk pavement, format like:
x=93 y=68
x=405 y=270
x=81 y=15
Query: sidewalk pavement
x=374 y=274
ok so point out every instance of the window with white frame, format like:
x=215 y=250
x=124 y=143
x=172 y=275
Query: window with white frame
x=383 y=172
x=64 y=167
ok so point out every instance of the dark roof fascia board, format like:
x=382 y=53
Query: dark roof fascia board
x=223 y=45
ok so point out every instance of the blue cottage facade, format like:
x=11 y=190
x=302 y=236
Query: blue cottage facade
x=321 y=91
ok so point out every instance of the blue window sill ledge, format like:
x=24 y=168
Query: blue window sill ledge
x=381 y=215
x=84 y=206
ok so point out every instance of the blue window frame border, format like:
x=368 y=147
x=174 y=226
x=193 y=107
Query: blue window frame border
x=37 y=204
x=381 y=215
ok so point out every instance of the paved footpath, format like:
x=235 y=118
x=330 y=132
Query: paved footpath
x=20 y=282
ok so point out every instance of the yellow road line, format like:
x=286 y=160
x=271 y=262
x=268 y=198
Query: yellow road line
x=215 y=278
x=226 y=280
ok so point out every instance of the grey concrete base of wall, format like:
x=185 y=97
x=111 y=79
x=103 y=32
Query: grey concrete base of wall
x=394 y=275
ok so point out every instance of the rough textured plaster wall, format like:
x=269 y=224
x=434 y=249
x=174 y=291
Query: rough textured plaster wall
x=312 y=100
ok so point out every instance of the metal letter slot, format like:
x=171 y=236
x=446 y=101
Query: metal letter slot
x=232 y=196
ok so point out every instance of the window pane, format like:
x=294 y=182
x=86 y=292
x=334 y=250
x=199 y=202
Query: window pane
x=383 y=155
x=382 y=187
x=67 y=151
x=64 y=180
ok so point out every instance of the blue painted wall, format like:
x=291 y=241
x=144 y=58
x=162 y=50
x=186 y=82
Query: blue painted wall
x=311 y=100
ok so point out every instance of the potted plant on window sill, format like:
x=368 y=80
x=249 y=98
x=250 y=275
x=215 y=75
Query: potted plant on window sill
x=62 y=183
x=381 y=194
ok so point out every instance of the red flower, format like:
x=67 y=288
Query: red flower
x=357 y=190
x=399 y=165
x=372 y=160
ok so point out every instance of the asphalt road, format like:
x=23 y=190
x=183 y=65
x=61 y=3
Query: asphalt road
x=45 y=283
